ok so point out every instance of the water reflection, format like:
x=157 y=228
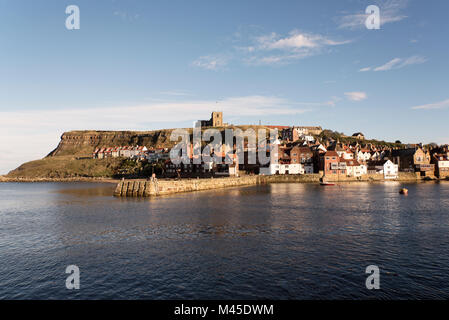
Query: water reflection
x=287 y=241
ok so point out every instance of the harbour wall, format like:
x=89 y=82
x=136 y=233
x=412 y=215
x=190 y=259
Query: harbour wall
x=150 y=188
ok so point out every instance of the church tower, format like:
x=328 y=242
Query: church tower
x=217 y=119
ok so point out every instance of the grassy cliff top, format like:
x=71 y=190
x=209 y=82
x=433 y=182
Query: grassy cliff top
x=66 y=167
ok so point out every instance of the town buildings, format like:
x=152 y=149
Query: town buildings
x=300 y=133
x=413 y=160
x=300 y=150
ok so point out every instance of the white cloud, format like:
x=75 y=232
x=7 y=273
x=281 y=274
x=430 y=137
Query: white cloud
x=390 y=11
x=413 y=60
x=438 y=105
x=389 y=65
x=296 y=40
x=211 y=62
x=356 y=95
x=396 y=63
x=365 y=69
x=272 y=49
x=32 y=134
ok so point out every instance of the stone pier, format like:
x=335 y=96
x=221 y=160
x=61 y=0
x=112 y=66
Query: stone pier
x=150 y=188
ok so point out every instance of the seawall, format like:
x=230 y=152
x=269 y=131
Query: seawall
x=146 y=188
x=403 y=176
x=142 y=188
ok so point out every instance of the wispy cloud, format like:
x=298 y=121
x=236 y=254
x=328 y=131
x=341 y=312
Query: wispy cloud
x=365 y=69
x=277 y=49
x=211 y=62
x=271 y=49
x=296 y=40
x=389 y=65
x=390 y=11
x=38 y=131
x=438 y=105
x=356 y=95
x=126 y=16
x=396 y=63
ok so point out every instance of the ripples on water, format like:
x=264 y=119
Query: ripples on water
x=281 y=241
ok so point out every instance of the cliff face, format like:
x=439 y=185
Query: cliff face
x=83 y=143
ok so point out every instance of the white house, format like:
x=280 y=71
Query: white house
x=348 y=155
x=354 y=168
x=308 y=138
x=363 y=156
x=308 y=168
x=385 y=167
x=273 y=169
x=391 y=170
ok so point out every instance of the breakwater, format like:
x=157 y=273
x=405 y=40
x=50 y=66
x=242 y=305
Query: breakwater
x=142 y=188
x=150 y=188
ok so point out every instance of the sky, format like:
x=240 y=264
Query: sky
x=145 y=65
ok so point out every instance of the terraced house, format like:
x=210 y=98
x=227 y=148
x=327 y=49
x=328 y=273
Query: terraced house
x=441 y=162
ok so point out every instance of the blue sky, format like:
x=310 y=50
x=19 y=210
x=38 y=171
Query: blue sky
x=143 y=65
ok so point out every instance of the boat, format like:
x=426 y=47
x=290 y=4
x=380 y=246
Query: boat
x=327 y=183
x=403 y=191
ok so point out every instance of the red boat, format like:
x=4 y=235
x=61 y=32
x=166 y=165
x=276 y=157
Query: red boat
x=327 y=184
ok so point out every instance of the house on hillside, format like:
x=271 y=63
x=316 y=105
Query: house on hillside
x=359 y=136
x=363 y=155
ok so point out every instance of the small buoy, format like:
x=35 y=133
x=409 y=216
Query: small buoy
x=403 y=191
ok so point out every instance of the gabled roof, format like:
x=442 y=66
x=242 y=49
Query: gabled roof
x=403 y=152
x=374 y=163
x=331 y=154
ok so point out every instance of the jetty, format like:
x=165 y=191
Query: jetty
x=156 y=187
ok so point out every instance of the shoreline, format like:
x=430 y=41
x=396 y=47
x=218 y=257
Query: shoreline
x=305 y=178
x=80 y=179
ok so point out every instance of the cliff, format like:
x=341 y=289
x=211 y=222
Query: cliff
x=83 y=143
x=72 y=156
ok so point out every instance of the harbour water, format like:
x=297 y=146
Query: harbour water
x=277 y=241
